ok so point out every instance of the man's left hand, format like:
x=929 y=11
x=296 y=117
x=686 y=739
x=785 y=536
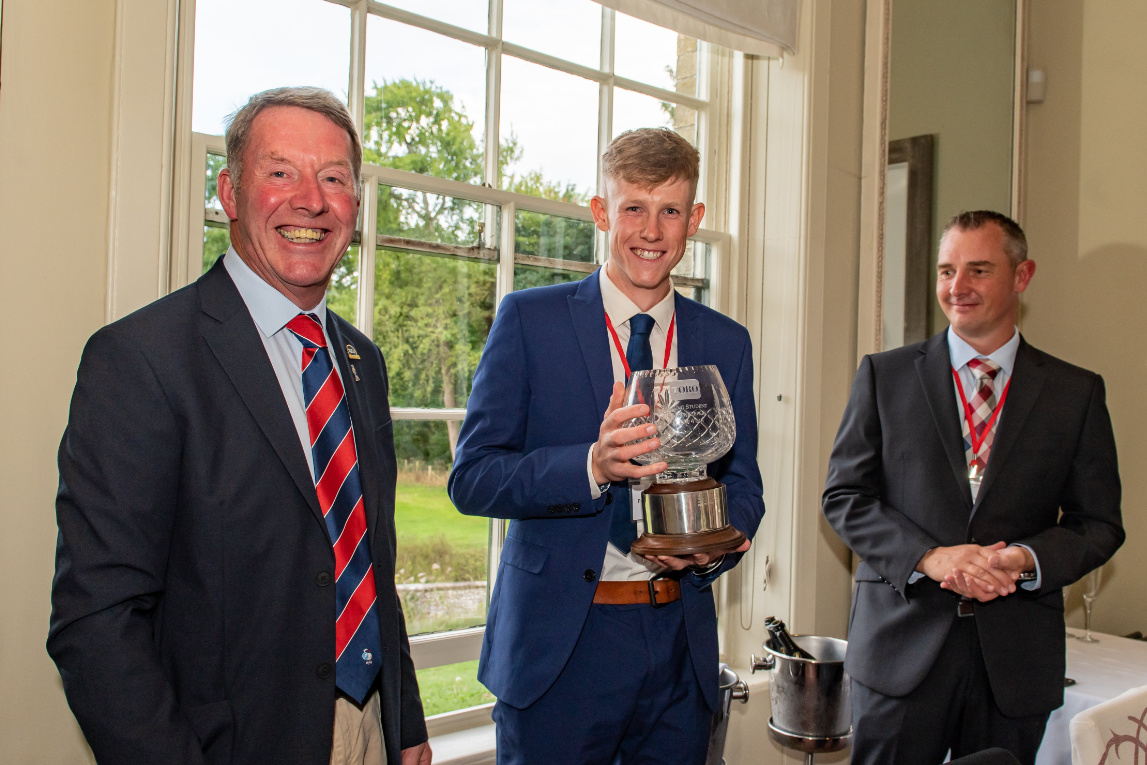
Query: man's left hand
x=417 y=755
x=700 y=559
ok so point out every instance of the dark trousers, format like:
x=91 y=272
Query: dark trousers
x=628 y=696
x=953 y=709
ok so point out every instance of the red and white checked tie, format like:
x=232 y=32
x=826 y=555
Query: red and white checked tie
x=358 y=645
x=982 y=404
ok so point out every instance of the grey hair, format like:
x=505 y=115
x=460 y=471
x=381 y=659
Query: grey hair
x=314 y=99
x=1015 y=242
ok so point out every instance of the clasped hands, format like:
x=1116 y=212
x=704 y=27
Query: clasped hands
x=975 y=571
x=615 y=448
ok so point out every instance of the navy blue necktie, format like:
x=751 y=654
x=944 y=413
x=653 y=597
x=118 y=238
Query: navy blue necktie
x=358 y=642
x=639 y=356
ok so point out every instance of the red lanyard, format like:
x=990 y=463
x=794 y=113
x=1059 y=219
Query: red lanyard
x=979 y=442
x=621 y=353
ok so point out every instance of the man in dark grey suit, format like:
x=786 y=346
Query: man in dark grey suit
x=949 y=473
x=200 y=612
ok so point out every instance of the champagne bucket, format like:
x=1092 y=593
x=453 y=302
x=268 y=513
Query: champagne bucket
x=731 y=687
x=810 y=698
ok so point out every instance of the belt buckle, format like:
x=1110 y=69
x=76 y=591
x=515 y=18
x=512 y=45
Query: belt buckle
x=964 y=608
x=653 y=591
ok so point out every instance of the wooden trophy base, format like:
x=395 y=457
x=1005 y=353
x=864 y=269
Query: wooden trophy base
x=680 y=545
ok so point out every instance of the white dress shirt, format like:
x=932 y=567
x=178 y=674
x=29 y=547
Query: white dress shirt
x=960 y=354
x=271 y=310
x=620 y=309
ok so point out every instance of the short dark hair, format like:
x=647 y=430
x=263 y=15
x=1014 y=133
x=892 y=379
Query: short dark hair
x=1015 y=242
x=650 y=157
x=314 y=99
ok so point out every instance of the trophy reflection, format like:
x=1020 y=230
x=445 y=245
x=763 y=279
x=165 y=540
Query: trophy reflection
x=685 y=510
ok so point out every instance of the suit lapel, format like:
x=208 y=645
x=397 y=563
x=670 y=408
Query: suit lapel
x=934 y=371
x=233 y=338
x=363 y=424
x=690 y=331
x=1026 y=383
x=587 y=313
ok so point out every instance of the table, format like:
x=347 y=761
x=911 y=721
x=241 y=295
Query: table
x=1102 y=671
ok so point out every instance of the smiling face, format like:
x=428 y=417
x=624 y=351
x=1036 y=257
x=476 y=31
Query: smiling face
x=293 y=217
x=647 y=228
x=977 y=286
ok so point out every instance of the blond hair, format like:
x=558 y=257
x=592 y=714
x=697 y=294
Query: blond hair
x=650 y=157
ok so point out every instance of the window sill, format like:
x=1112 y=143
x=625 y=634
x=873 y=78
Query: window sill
x=472 y=746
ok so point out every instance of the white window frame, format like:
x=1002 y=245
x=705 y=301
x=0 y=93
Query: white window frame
x=784 y=134
x=711 y=106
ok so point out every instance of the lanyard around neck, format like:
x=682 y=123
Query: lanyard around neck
x=977 y=443
x=621 y=351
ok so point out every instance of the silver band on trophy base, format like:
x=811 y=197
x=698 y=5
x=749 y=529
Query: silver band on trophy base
x=685 y=511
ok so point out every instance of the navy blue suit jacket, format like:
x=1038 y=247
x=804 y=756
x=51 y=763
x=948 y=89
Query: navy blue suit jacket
x=540 y=393
x=193 y=604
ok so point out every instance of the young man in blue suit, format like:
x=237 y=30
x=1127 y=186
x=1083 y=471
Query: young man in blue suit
x=586 y=668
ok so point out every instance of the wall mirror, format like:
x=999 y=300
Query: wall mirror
x=943 y=104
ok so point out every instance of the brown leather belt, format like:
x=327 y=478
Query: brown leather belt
x=655 y=592
x=964 y=608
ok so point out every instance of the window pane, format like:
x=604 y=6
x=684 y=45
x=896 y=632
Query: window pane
x=431 y=318
x=441 y=563
x=553 y=236
x=534 y=276
x=425 y=102
x=239 y=51
x=634 y=110
x=655 y=55
x=549 y=130
x=216 y=240
x=342 y=292
x=569 y=29
x=215 y=163
x=468 y=14
x=468 y=228
x=451 y=687
x=695 y=261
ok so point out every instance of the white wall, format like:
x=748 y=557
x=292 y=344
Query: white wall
x=55 y=115
x=1086 y=194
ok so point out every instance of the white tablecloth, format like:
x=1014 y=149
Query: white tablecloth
x=1101 y=671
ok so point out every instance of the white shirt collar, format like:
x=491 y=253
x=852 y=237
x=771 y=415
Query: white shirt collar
x=270 y=308
x=961 y=353
x=621 y=309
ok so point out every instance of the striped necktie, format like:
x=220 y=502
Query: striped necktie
x=358 y=645
x=639 y=356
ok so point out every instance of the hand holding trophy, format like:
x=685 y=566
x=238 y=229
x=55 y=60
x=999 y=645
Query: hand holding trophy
x=685 y=511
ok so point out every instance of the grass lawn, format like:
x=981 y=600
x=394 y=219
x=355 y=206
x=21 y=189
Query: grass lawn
x=422 y=512
x=454 y=686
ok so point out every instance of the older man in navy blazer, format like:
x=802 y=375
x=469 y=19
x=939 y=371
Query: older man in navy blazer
x=587 y=666
x=220 y=440
x=956 y=635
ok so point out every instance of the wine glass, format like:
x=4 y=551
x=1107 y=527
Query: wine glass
x=1066 y=631
x=1089 y=594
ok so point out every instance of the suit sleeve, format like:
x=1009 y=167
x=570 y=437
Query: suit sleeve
x=119 y=462
x=494 y=475
x=738 y=469
x=1090 y=527
x=853 y=503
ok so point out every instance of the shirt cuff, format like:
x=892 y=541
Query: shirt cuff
x=594 y=491
x=1032 y=585
x=915 y=577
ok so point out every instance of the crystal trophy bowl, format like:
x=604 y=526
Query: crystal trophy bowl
x=686 y=511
